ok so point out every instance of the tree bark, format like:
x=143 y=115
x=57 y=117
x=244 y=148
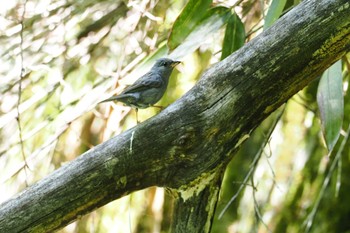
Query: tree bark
x=187 y=145
x=195 y=206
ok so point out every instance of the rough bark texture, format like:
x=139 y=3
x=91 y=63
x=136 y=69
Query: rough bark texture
x=185 y=145
x=195 y=205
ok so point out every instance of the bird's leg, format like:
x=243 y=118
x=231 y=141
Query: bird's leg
x=137 y=117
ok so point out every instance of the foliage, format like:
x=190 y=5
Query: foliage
x=59 y=58
x=330 y=102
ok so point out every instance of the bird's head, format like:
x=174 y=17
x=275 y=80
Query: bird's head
x=165 y=65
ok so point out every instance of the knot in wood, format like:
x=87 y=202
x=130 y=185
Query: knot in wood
x=185 y=141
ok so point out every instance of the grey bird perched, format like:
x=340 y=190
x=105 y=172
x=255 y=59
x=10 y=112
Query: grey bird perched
x=149 y=88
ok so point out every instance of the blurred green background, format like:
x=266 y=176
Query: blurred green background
x=59 y=58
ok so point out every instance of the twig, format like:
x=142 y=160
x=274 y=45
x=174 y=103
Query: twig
x=253 y=164
x=256 y=207
x=20 y=92
x=310 y=218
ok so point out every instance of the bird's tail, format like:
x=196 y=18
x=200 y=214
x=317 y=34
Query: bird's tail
x=113 y=98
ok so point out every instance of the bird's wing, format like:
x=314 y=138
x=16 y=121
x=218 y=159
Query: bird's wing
x=147 y=81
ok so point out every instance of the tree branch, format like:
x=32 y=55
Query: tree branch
x=195 y=206
x=188 y=142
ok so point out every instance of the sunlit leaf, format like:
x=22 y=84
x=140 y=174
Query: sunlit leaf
x=211 y=23
x=191 y=15
x=331 y=104
x=274 y=12
x=234 y=36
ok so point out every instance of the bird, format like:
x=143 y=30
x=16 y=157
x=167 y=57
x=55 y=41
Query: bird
x=149 y=88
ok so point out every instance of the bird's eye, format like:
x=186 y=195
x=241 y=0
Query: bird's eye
x=164 y=63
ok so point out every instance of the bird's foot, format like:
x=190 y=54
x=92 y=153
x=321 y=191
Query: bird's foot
x=159 y=107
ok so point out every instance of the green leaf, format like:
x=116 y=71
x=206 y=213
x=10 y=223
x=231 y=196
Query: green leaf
x=191 y=15
x=206 y=27
x=331 y=104
x=234 y=36
x=274 y=12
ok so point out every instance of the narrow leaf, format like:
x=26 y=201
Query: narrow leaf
x=210 y=23
x=274 y=12
x=191 y=15
x=234 y=36
x=331 y=104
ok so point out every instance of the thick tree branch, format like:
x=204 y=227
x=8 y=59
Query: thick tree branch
x=183 y=146
x=195 y=205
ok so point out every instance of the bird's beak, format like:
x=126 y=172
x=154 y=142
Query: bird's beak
x=175 y=63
